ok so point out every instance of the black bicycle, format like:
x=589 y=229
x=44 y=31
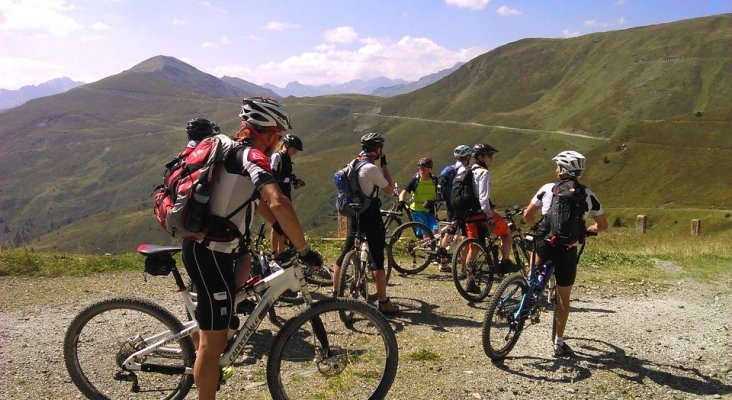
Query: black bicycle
x=474 y=265
x=520 y=298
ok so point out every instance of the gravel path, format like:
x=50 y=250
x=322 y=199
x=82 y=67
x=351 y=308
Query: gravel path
x=641 y=342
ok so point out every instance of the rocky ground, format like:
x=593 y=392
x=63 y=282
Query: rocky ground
x=670 y=341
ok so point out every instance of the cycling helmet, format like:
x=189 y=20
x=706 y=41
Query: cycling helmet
x=570 y=162
x=291 y=140
x=462 y=151
x=372 y=141
x=199 y=128
x=264 y=112
x=482 y=148
x=425 y=162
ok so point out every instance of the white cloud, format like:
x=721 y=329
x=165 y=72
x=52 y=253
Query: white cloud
x=99 y=26
x=507 y=12
x=472 y=4
x=178 y=22
x=602 y=24
x=568 y=33
x=620 y=21
x=341 y=34
x=223 y=41
x=280 y=26
x=409 y=58
x=38 y=17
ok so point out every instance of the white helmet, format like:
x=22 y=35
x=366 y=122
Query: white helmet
x=570 y=162
x=264 y=112
x=462 y=151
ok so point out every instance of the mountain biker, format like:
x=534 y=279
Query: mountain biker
x=210 y=265
x=281 y=163
x=462 y=153
x=484 y=222
x=370 y=179
x=423 y=188
x=570 y=165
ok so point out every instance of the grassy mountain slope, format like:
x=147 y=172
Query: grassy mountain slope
x=654 y=102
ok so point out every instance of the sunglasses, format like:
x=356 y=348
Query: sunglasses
x=272 y=130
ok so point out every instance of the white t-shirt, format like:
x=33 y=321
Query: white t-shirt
x=369 y=176
x=543 y=199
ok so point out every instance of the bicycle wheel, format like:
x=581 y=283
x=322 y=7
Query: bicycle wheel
x=481 y=269
x=352 y=283
x=318 y=356
x=319 y=278
x=406 y=252
x=520 y=254
x=106 y=333
x=503 y=320
x=390 y=224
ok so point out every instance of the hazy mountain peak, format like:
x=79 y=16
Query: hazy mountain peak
x=162 y=63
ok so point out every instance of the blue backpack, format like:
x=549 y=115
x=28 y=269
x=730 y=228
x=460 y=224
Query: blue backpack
x=348 y=190
x=447 y=175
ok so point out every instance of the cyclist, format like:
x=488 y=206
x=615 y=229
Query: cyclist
x=480 y=224
x=210 y=265
x=370 y=179
x=570 y=165
x=423 y=188
x=462 y=153
x=281 y=163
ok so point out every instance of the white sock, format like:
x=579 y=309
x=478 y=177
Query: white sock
x=558 y=340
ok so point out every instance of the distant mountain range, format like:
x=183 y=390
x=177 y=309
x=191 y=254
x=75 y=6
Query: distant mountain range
x=13 y=98
x=650 y=107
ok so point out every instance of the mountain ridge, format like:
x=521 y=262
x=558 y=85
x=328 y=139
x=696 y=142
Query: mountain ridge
x=79 y=176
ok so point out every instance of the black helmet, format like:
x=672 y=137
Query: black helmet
x=291 y=140
x=482 y=148
x=199 y=129
x=265 y=112
x=372 y=141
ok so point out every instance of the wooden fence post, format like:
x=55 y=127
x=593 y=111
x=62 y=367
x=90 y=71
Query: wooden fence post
x=695 y=227
x=342 y=227
x=641 y=221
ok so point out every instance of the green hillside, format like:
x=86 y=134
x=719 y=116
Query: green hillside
x=651 y=107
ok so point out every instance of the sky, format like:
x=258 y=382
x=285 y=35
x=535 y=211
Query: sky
x=310 y=41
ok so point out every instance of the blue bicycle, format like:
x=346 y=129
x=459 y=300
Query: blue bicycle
x=520 y=298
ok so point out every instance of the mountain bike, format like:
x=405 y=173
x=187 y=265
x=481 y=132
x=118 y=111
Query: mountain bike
x=356 y=270
x=410 y=254
x=392 y=216
x=519 y=298
x=127 y=347
x=483 y=268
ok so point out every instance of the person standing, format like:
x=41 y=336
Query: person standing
x=210 y=265
x=371 y=179
x=462 y=154
x=482 y=223
x=569 y=167
x=423 y=188
x=282 y=169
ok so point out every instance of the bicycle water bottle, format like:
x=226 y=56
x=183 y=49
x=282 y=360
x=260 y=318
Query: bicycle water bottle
x=364 y=251
x=198 y=209
x=543 y=276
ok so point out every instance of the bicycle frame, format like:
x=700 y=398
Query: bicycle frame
x=266 y=290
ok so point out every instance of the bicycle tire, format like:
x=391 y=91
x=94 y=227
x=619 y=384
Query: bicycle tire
x=360 y=362
x=105 y=333
x=520 y=253
x=319 y=278
x=351 y=283
x=482 y=268
x=390 y=224
x=501 y=327
x=406 y=252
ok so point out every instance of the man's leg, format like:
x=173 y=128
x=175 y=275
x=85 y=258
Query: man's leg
x=206 y=368
x=562 y=314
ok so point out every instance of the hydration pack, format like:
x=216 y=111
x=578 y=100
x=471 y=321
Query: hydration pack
x=181 y=203
x=463 y=199
x=564 y=224
x=348 y=190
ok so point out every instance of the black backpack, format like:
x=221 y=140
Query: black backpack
x=564 y=223
x=463 y=200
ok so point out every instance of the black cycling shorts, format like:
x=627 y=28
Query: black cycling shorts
x=565 y=262
x=213 y=274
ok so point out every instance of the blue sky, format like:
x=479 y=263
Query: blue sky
x=313 y=41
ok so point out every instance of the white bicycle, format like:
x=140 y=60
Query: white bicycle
x=133 y=348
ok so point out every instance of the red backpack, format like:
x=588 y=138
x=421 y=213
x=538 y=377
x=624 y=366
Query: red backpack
x=181 y=202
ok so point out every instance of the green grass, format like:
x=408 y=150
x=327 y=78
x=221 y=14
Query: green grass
x=423 y=355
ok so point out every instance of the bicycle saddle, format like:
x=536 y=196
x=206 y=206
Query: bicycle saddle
x=148 y=250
